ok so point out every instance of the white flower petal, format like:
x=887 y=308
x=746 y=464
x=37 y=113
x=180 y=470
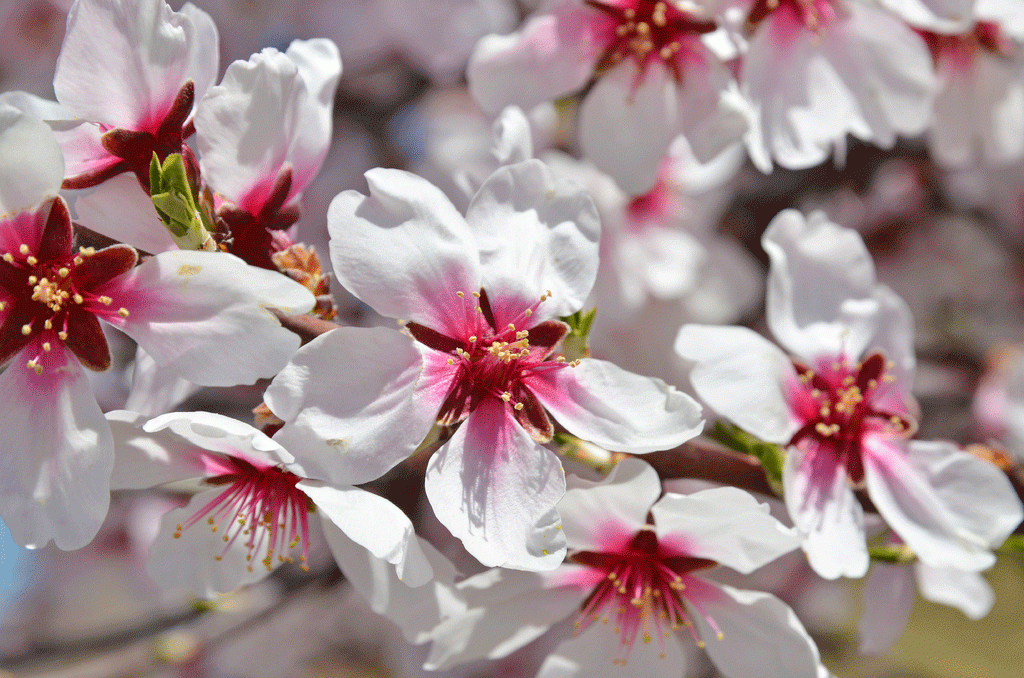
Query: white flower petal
x=375 y=524
x=826 y=512
x=25 y=185
x=320 y=67
x=496 y=489
x=535 y=233
x=820 y=286
x=508 y=609
x=552 y=55
x=742 y=376
x=950 y=507
x=405 y=250
x=154 y=390
x=609 y=509
x=355 y=402
x=940 y=16
x=119 y=209
x=146 y=459
x=626 y=128
x=130 y=78
x=888 y=601
x=760 y=636
x=58 y=454
x=416 y=611
x=724 y=524
x=966 y=591
x=224 y=435
x=616 y=409
x=206 y=316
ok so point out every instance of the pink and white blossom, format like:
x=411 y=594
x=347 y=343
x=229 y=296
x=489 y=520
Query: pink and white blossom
x=814 y=71
x=262 y=135
x=655 y=80
x=129 y=74
x=842 y=407
x=633 y=586
x=254 y=511
x=190 y=310
x=481 y=297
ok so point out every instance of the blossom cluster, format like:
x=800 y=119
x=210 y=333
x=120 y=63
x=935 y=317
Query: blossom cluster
x=528 y=405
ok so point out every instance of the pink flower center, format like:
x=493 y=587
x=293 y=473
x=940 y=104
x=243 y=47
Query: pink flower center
x=494 y=362
x=261 y=505
x=644 y=587
x=51 y=295
x=961 y=50
x=840 y=404
x=649 y=30
x=811 y=15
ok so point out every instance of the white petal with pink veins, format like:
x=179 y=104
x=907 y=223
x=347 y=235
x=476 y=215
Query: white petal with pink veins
x=405 y=250
x=627 y=123
x=597 y=651
x=206 y=315
x=131 y=77
x=553 y=55
x=758 y=630
x=374 y=523
x=726 y=525
x=355 y=402
x=535 y=234
x=616 y=409
x=950 y=507
x=610 y=509
x=820 y=286
x=120 y=209
x=508 y=609
x=888 y=601
x=24 y=185
x=58 y=454
x=825 y=510
x=742 y=376
x=495 y=489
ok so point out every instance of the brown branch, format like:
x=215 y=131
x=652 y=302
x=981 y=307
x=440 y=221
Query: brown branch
x=308 y=327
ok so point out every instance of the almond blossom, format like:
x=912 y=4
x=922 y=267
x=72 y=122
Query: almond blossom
x=188 y=309
x=262 y=135
x=634 y=585
x=842 y=407
x=979 y=112
x=255 y=509
x=655 y=79
x=128 y=77
x=814 y=71
x=481 y=297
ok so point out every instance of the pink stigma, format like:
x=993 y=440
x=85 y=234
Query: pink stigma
x=261 y=504
x=644 y=589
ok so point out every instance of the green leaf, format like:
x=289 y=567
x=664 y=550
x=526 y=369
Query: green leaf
x=577 y=344
x=770 y=455
x=175 y=202
x=1015 y=544
x=899 y=554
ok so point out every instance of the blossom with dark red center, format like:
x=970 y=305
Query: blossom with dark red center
x=656 y=79
x=188 y=310
x=262 y=135
x=632 y=582
x=253 y=511
x=843 y=409
x=480 y=296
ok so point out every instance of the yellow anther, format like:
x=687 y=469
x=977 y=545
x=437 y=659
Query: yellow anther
x=476 y=295
x=31 y=260
x=78 y=298
x=517 y=406
x=62 y=335
x=23 y=248
x=63 y=272
x=460 y=295
x=26 y=329
x=105 y=300
x=123 y=312
x=9 y=258
x=46 y=346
